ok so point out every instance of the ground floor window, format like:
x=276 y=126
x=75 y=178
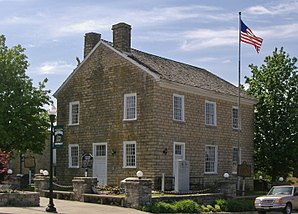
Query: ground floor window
x=129 y=154
x=73 y=156
x=210 y=159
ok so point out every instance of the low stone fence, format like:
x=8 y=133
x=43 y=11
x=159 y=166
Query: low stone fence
x=19 y=199
x=138 y=192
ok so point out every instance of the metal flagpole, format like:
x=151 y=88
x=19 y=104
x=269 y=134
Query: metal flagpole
x=239 y=115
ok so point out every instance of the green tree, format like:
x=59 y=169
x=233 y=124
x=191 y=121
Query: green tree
x=23 y=121
x=275 y=84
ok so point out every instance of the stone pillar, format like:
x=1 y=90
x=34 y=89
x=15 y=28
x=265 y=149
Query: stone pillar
x=228 y=189
x=137 y=192
x=83 y=185
x=41 y=183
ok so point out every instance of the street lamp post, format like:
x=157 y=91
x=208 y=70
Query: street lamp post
x=52 y=113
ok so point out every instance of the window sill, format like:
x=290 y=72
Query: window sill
x=129 y=167
x=210 y=126
x=210 y=173
x=129 y=120
x=75 y=124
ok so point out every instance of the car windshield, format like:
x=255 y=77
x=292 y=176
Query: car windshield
x=281 y=191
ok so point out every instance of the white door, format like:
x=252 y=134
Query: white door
x=178 y=154
x=100 y=162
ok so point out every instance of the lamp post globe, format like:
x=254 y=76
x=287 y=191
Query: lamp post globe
x=52 y=114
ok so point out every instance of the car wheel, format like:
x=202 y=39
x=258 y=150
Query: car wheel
x=288 y=209
x=261 y=212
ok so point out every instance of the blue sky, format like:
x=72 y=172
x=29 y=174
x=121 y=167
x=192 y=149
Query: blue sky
x=203 y=33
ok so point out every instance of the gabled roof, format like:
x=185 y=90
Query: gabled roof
x=171 y=71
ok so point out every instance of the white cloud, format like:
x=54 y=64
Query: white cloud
x=204 y=38
x=280 y=9
x=55 y=67
x=81 y=27
x=279 y=31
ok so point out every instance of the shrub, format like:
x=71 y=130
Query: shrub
x=217 y=208
x=162 y=207
x=234 y=205
x=186 y=206
x=222 y=204
x=204 y=209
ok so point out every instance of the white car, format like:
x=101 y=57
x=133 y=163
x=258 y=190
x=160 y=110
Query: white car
x=279 y=198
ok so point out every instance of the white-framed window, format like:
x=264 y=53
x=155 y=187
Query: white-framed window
x=73 y=156
x=211 y=159
x=130 y=106
x=178 y=107
x=129 y=154
x=235 y=117
x=210 y=113
x=74 y=113
x=235 y=160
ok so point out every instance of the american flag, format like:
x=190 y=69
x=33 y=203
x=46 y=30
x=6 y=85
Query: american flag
x=248 y=37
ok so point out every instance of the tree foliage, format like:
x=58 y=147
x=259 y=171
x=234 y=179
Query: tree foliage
x=275 y=84
x=23 y=121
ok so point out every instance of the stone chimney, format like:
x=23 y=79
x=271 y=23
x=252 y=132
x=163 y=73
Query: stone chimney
x=122 y=36
x=91 y=39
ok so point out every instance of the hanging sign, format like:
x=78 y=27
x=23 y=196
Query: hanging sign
x=29 y=162
x=58 y=136
x=244 y=170
x=87 y=161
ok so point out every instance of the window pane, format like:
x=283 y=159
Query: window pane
x=210 y=159
x=74 y=156
x=178 y=108
x=101 y=150
x=130 y=155
x=130 y=107
x=75 y=113
x=235 y=118
x=210 y=114
x=178 y=149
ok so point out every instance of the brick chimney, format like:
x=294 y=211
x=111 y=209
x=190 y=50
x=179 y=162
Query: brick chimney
x=122 y=36
x=91 y=39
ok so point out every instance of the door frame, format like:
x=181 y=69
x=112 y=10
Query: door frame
x=106 y=157
x=174 y=155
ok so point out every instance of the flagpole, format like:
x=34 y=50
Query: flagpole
x=239 y=115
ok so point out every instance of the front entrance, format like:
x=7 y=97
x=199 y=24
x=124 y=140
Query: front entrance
x=100 y=162
x=178 y=154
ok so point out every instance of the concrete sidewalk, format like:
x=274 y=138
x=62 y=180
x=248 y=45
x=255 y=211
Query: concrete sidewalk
x=70 y=207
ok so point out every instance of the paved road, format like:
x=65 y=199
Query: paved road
x=70 y=207
x=75 y=207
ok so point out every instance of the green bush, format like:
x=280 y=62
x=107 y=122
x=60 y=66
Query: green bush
x=236 y=205
x=222 y=204
x=186 y=206
x=162 y=207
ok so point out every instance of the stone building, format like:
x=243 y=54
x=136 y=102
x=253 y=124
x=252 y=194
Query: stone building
x=136 y=111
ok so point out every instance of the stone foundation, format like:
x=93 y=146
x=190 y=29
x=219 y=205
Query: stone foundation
x=19 y=199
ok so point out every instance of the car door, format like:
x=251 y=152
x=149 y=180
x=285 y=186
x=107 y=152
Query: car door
x=295 y=199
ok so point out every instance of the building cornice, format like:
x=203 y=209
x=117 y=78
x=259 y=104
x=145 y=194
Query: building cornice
x=205 y=93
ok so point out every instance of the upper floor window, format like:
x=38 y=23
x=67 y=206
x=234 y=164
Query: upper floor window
x=73 y=156
x=210 y=113
x=178 y=107
x=74 y=110
x=130 y=106
x=235 y=117
x=129 y=154
x=210 y=159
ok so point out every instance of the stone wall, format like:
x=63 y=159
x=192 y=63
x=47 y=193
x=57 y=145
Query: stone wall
x=20 y=199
